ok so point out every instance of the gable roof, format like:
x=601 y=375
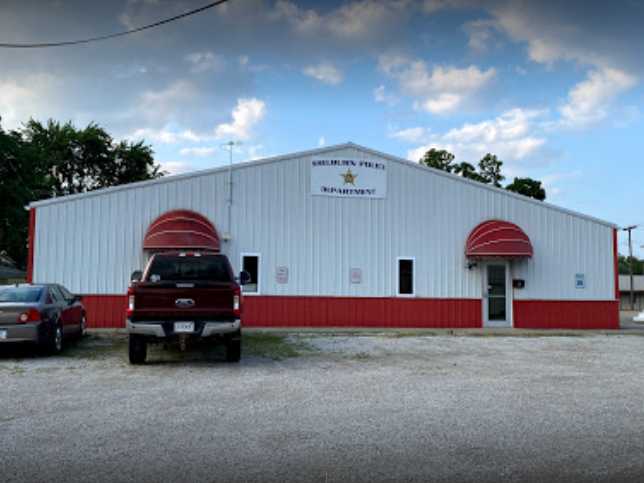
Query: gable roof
x=314 y=152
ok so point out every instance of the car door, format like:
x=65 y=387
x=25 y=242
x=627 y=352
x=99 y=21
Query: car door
x=75 y=307
x=64 y=308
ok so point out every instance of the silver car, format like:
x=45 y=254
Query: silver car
x=43 y=314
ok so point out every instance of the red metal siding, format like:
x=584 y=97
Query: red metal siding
x=108 y=311
x=32 y=244
x=616 y=262
x=105 y=311
x=296 y=311
x=566 y=314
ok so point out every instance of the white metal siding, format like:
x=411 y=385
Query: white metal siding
x=91 y=244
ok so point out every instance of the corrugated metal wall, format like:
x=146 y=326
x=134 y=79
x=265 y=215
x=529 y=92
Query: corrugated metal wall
x=91 y=244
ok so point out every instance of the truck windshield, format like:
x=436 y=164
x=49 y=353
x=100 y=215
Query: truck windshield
x=189 y=269
x=25 y=295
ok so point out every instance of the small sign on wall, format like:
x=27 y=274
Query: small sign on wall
x=580 y=280
x=281 y=274
x=356 y=275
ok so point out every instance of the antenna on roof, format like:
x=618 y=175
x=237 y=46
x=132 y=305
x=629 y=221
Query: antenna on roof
x=230 y=147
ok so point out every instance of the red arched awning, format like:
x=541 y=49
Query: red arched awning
x=498 y=239
x=181 y=229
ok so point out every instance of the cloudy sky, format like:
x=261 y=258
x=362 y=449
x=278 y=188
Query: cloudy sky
x=553 y=88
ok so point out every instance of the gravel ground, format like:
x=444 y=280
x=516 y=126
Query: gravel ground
x=323 y=408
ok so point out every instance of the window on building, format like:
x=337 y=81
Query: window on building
x=250 y=264
x=405 y=276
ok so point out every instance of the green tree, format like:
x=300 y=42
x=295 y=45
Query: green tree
x=24 y=176
x=438 y=159
x=528 y=187
x=490 y=170
x=467 y=170
x=623 y=265
x=56 y=159
x=88 y=159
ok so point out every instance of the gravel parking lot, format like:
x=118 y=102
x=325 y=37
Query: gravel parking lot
x=315 y=407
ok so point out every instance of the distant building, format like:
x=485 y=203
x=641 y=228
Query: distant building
x=8 y=271
x=625 y=290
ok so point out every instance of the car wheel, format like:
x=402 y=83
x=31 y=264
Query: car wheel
x=83 y=327
x=55 y=342
x=137 y=349
x=233 y=348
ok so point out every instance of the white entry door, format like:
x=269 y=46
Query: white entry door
x=497 y=294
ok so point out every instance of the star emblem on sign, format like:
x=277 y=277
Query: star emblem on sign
x=349 y=177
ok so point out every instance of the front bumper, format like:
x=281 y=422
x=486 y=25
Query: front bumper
x=20 y=332
x=162 y=329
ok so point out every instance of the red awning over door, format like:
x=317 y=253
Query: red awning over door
x=498 y=239
x=181 y=229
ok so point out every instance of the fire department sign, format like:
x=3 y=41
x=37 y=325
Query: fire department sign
x=349 y=178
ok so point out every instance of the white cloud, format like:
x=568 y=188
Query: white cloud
x=166 y=104
x=380 y=94
x=441 y=89
x=324 y=72
x=353 y=20
x=205 y=62
x=445 y=102
x=175 y=167
x=479 y=33
x=245 y=116
x=199 y=151
x=511 y=136
x=33 y=96
x=410 y=135
x=166 y=135
x=551 y=182
x=432 y=6
x=589 y=100
x=321 y=141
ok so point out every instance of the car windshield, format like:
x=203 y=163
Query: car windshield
x=20 y=294
x=176 y=268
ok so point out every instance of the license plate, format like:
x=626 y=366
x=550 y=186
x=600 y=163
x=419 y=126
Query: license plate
x=3 y=334
x=182 y=327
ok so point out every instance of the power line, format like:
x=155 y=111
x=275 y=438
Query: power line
x=109 y=36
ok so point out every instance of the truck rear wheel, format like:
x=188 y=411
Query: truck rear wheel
x=137 y=349
x=233 y=347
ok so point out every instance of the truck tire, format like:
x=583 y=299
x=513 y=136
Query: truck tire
x=137 y=349
x=233 y=348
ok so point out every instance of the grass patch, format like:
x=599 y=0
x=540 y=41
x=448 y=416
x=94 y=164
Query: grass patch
x=362 y=356
x=92 y=347
x=273 y=346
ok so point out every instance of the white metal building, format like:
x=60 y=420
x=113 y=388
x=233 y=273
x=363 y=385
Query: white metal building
x=345 y=236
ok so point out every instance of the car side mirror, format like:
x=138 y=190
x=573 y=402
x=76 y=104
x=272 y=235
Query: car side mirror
x=244 y=277
x=136 y=276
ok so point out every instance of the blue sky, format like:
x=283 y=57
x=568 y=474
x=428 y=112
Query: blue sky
x=553 y=88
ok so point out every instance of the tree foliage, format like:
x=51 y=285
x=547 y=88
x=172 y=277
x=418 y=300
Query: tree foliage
x=623 y=265
x=490 y=171
x=439 y=159
x=41 y=161
x=528 y=187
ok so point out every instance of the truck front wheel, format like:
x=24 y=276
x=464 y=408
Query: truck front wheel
x=233 y=347
x=137 y=349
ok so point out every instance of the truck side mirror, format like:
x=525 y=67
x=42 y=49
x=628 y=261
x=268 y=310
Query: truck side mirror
x=136 y=276
x=244 y=277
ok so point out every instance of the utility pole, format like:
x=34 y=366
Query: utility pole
x=629 y=229
x=230 y=146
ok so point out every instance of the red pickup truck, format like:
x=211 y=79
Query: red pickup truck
x=183 y=297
